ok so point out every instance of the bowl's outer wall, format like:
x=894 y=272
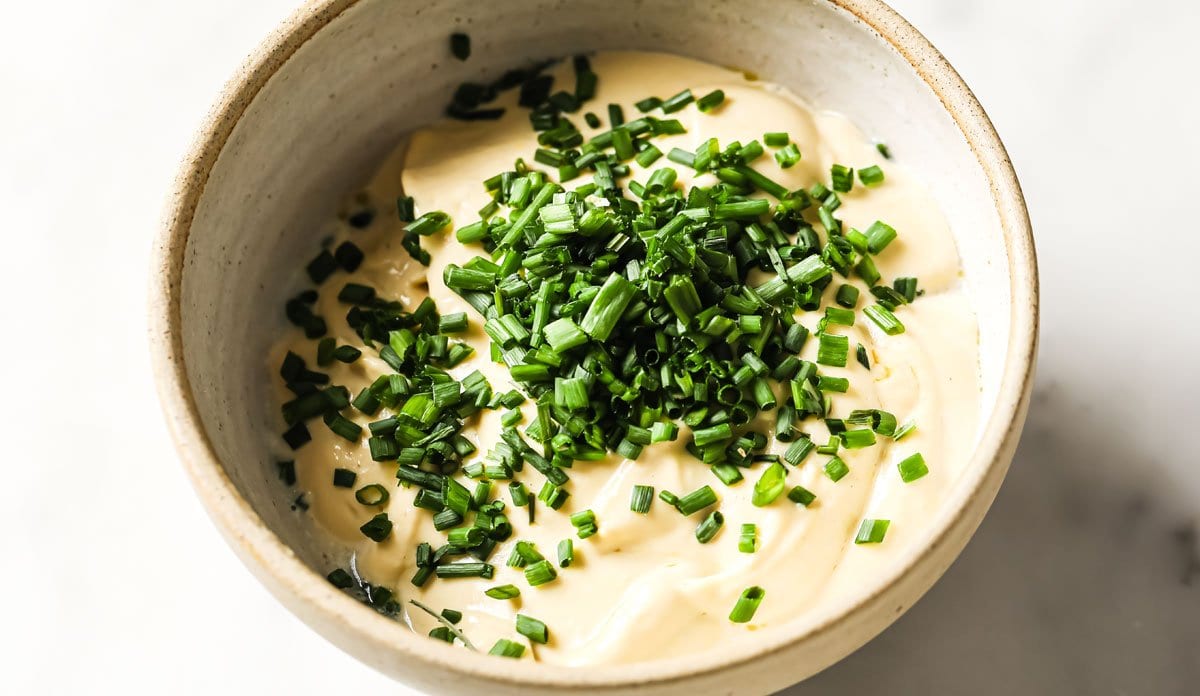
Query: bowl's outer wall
x=336 y=88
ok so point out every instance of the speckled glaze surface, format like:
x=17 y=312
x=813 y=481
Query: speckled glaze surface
x=327 y=96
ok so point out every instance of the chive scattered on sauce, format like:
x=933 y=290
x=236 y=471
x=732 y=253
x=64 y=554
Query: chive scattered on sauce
x=621 y=309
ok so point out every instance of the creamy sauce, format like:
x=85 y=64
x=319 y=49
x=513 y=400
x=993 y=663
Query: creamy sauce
x=643 y=588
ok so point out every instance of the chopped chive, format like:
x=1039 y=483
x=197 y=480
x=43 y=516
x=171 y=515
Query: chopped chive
x=532 y=629
x=843 y=178
x=912 y=468
x=770 y=485
x=884 y=150
x=641 y=498
x=566 y=553
x=503 y=592
x=460 y=46
x=709 y=526
x=798 y=451
x=847 y=296
x=904 y=430
x=747 y=604
x=344 y=478
x=507 y=648
x=879 y=236
x=372 y=494
x=788 y=156
x=287 y=472
x=377 y=528
x=465 y=570
x=776 y=139
x=836 y=469
x=695 y=501
x=710 y=101
x=540 y=573
x=648 y=104
x=871 y=176
x=872 y=531
x=884 y=319
x=748 y=540
x=801 y=496
x=833 y=349
x=677 y=102
x=340 y=579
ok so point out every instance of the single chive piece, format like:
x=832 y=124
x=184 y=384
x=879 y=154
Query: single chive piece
x=770 y=485
x=669 y=498
x=871 y=176
x=325 y=348
x=460 y=46
x=860 y=354
x=833 y=384
x=383 y=449
x=695 y=501
x=677 y=102
x=503 y=592
x=748 y=540
x=907 y=287
x=452 y=615
x=566 y=553
x=857 y=439
x=344 y=478
x=607 y=307
x=287 y=472
x=648 y=104
x=377 y=528
x=372 y=494
x=872 y=531
x=452 y=323
x=540 y=573
x=340 y=579
x=507 y=648
x=776 y=139
x=836 y=469
x=879 y=236
x=427 y=224
x=833 y=349
x=519 y=493
x=884 y=150
x=801 y=496
x=465 y=570
x=912 y=468
x=904 y=430
x=592 y=120
x=532 y=629
x=709 y=526
x=648 y=156
x=798 y=451
x=788 y=156
x=442 y=633
x=616 y=115
x=321 y=267
x=348 y=256
x=641 y=498
x=564 y=334
x=847 y=296
x=727 y=473
x=710 y=101
x=839 y=315
x=474 y=232
x=842 y=177
x=884 y=319
x=356 y=294
x=747 y=604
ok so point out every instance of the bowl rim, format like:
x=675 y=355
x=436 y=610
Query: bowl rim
x=290 y=578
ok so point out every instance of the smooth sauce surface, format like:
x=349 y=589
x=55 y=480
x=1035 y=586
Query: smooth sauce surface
x=643 y=588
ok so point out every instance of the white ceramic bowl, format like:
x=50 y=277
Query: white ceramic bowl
x=331 y=92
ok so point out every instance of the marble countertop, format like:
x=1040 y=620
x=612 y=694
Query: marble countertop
x=1084 y=578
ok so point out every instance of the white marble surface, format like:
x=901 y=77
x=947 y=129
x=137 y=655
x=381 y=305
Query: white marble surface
x=1077 y=583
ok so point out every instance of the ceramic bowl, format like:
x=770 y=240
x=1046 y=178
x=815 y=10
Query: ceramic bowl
x=317 y=107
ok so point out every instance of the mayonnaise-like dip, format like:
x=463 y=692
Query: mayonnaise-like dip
x=643 y=588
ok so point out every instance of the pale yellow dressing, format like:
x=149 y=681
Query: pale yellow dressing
x=644 y=588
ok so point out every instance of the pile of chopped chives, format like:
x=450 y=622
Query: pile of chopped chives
x=623 y=309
